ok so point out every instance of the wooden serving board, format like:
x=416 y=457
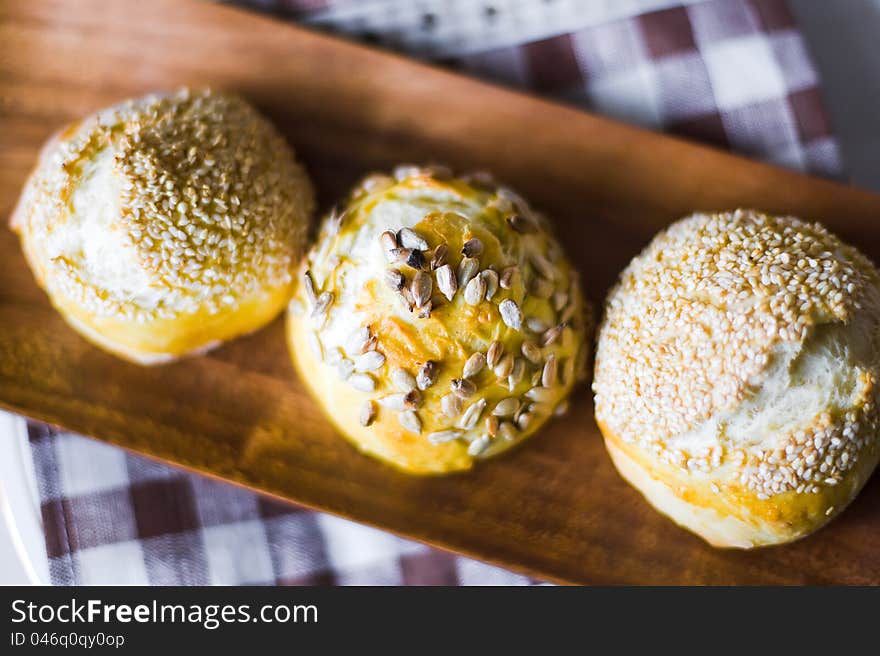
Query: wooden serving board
x=555 y=507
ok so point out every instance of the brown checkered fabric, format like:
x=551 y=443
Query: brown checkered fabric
x=734 y=73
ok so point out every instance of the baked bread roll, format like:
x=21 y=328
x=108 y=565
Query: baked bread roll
x=437 y=321
x=165 y=225
x=736 y=376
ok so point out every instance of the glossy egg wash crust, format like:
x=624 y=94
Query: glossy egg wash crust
x=737 y=369
x=179 y=207
x=437 y=320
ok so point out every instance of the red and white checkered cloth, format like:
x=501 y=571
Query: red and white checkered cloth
x=730 y=72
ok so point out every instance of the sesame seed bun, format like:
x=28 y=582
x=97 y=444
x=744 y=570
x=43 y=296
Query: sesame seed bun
x=736 y=376
x=437 y=321
x=165 y=225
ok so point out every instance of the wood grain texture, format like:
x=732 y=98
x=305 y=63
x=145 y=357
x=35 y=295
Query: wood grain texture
x=554 y=508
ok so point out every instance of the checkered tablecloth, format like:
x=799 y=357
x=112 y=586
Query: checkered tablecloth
x=734 y=73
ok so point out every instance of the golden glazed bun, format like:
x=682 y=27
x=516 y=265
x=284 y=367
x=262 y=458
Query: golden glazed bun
x=437 y=321
x=736 y=376
x=167 y=224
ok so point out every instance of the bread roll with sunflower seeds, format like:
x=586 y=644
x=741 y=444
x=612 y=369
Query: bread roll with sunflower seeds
x=736 y=376
x=437 y=320
x=165 y=225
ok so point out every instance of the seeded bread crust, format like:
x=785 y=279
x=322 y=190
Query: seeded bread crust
x=165 y=225
x=437 y=320
x=736 y=376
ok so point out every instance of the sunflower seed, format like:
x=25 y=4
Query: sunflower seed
x=568 y=314
x=369 y=361
x=540 y=394
x=472 y=415
x=493 y=354
x=451 y=405
x=506 y=407
x=524 y=420
x=561 y=409
x=516 y=374
x=552 y=335
x=371 y=343
x=467 y=269
x=368 y=413
x=510 y=313
x=425 y=311
x=296 y=307
x=481 y=179
x=315 y=346
x=362 y=382
x=550 y=375
x=412 y=400
x=475 y=290
x=472 y=248
x=344 y=368
x=439 y=257
x=406 y=299
x=334 y=220
x=509 y=277
x=440 y=437
x=521 y=224
x=537 y=325
x=568 y=372
x=394 y=402
x=463 y=388
x=421 y=288
x=543 y=266
x=490 y=278
x=492 y=425
x=559 y=300
x=535 y=380
x=541 y=287
x=404 y=171
x=474 y=365
x=322 y=304
x=532 y=352
x=504 y=366
x=410 y=421
x=478 y=446
x=446 y=281
x=409 y=238
x=309 y=286
x=506 y=431
x=402 y=380
x=427 y=375
x=357 y=341
x=373 y=182
x=388 y=241
x=415 y=259
x=395 y=279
